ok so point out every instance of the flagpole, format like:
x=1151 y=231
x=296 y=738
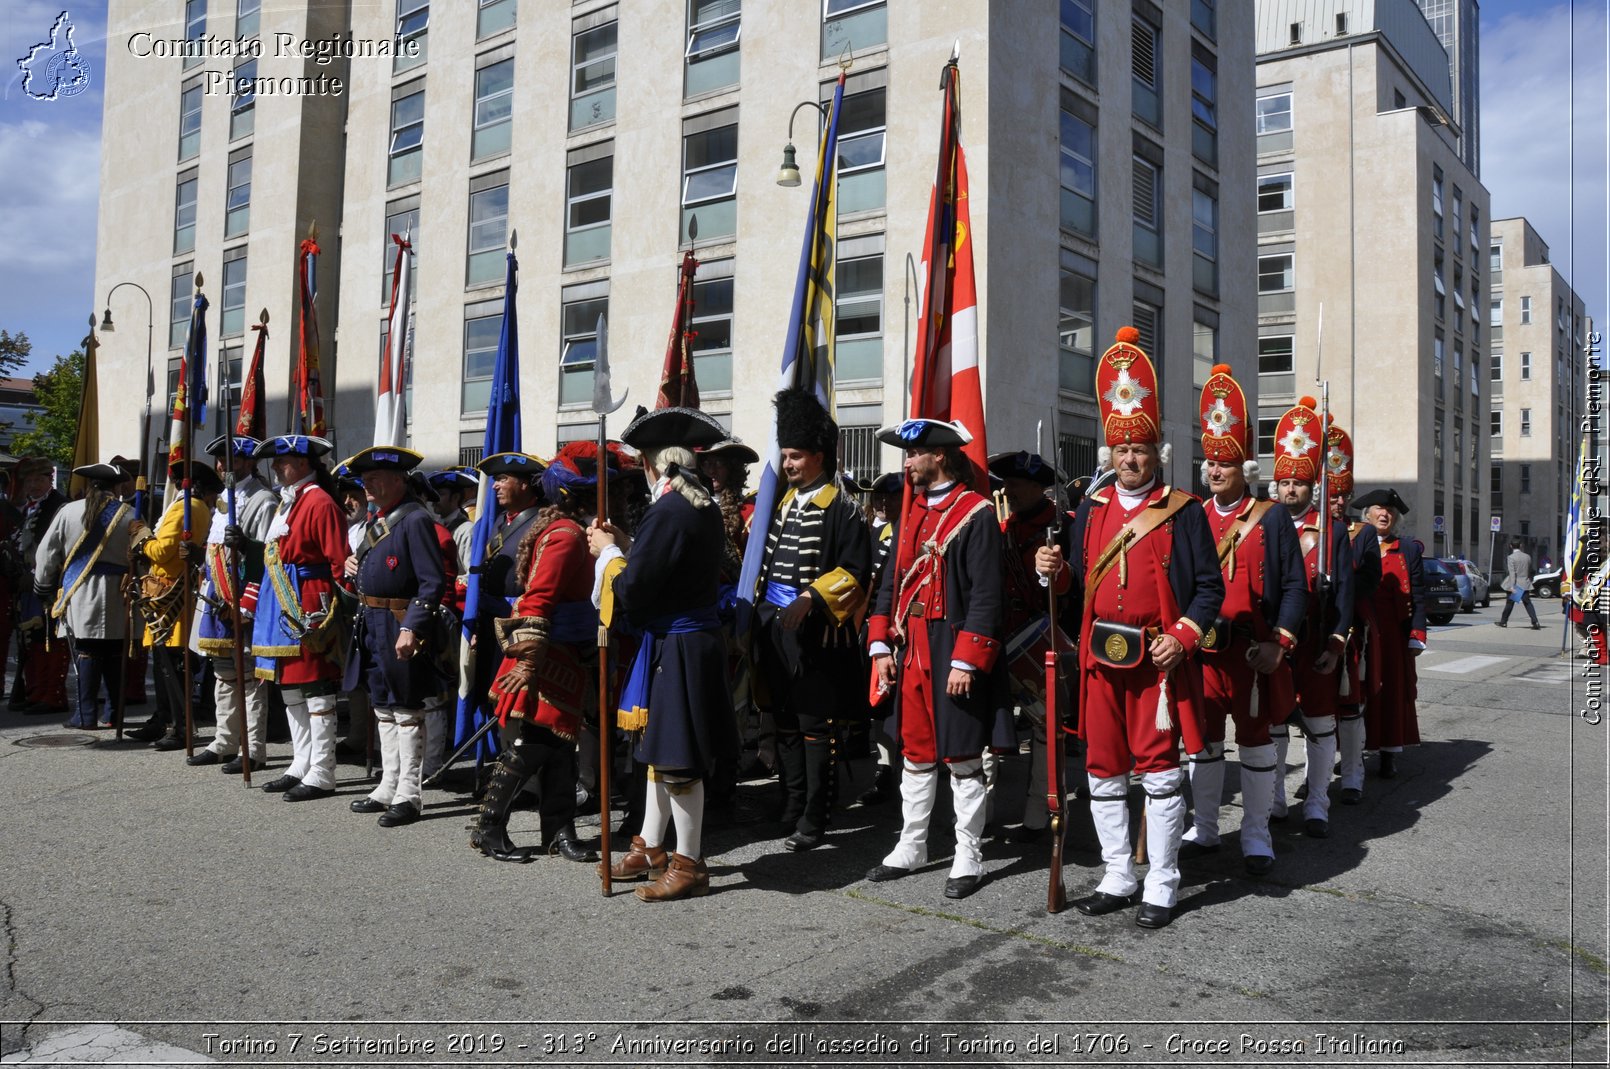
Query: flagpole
x=603 y=405
x=187 y=605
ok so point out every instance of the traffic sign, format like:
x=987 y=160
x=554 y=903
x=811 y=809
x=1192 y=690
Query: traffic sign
x=1436 y=525
x=1498 y=524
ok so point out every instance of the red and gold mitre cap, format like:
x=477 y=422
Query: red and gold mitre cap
x=1339 y=460
x=1297 y=442
x=1225 y=434
x=1126 y=382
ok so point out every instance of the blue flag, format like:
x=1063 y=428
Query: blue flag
x=808 y=348
x=502 y=436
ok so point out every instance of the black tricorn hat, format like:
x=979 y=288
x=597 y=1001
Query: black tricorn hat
x=203 y=480
x=1387 y=497
x=100 y=473
x=890 y=482
x=1022 y=465
x=665 y=427
x=803 y=423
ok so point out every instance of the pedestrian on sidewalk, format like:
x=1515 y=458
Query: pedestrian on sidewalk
x=1518 y=585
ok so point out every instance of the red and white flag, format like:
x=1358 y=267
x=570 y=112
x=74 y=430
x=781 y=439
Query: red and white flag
x=391 y=409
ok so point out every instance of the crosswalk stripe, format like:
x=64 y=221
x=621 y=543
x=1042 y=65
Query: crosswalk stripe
x=1473 y=663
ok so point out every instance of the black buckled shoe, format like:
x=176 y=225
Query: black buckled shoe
x=368 y=805
x=569 y=847
x=232 y=767
x=169 y=743
x=281 y=785
x=1100 y=903
x=1150 y=916
x=1315 y=828
x=398 y=814
x=962 y=886
x=1258 y=864
x=494 y=842
x=801 y=841
x=205 y=757
x=884 y=873
x=150 y=731
x=306 y=792
x=1350 y=796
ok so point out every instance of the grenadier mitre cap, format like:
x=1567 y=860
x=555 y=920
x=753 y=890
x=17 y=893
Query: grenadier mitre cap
x=1126 y=383
x=1225 y=434
x=1297 y=442
x=1338 y=460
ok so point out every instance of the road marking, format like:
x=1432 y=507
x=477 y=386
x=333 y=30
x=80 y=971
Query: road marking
x=100 y=1044
x=1547 y=673
x=1462 y=665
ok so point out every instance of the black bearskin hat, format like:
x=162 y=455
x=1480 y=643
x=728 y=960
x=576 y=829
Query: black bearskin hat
x=802 y=423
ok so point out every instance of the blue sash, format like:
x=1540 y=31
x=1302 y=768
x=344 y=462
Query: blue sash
x=781 y=594
x=273 y=636
x=573 y=622
x=631 y=713
x=89 y=547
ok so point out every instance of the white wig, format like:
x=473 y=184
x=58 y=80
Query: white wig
x=1104 y=455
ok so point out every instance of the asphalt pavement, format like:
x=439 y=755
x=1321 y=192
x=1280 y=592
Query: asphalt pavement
x=156 y=914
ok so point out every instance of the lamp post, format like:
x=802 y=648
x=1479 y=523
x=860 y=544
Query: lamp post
x=147 y=453
x=788 y=174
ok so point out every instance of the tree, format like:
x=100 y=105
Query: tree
x=60 y=392
x=14 y=352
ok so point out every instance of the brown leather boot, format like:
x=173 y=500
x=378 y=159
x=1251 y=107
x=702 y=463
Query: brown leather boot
x=685 y=878
x=641 y=862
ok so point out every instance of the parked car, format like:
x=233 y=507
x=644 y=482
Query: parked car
x=1473 y=588
x=1442 y=591
x=1546 y=584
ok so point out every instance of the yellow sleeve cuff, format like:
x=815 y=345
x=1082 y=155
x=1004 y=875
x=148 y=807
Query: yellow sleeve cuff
x=606 y=600
x=840 y=593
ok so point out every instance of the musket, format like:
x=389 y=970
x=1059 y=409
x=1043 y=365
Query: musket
x=469 y=743
x=603 y=405
x=1056 y=896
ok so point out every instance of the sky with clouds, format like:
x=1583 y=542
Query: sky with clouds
x=1544 y=91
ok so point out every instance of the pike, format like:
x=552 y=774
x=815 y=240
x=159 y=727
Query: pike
x=1323 y=579
x=603 y=405
x=232 y=558
x=1056 y=897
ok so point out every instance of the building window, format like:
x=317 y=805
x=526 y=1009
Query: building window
x=1204 y=346
x=587 y=210
x=1266 y=434
x=1495 y=481
x=1078 y=175
x=1275 y=193
x=1438 y=287
x=1276 y=274
x=1436 y=202
x=1146 y=45
x=1438 y=348
x=1526 y=367
x=489 y=233
x=861 y=149
x=1436 y=449
x=1526 y=478
x=1274 y=122
x=1495 y=422
x=1526 y=311
x=189 y=123
x=1458 y=216
x=710 y=183
x=858 y=323
x=413 y=26
x=1079 y=39
x=483 y=327
x=1458 y=461
x=592 y=82
x=234 y=367
x=712 y=328
x=243 y=105
x=1204 y=240
x=494 y=110
x=578 y=347
x=1076 y=322
x=1205 y=18
x=179 y=295
x=494 y=17
x=1458 y=368
x=857 y=24
x=1475 y=217
x=1496 y=363
x=233 y=318
x=1399 y=101
x=184 y=215
x=1148 y=212
x=402 y=219
x=1204 y=110
x=1495 y=313
x=1526 y=423
x=1495 y=260
x=195 y=28
x=714 y=28
x=1475 y=373
x=247 y=13
x=1148 y=320
x=238 y=198
x=407 y=138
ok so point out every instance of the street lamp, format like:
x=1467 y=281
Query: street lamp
x=788 y=174
x=146 y=452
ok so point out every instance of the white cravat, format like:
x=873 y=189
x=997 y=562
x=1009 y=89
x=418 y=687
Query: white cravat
x=1129 y=499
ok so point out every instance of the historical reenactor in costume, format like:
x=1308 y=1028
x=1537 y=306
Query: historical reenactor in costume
x=298 y=635
x=455 y=499
x=40 y=685
x=1363 y=657
x=79 y=570
x=399 y=578
x=883 y=512
x=939 y=617
x=1245 y=676
x=163 y=558
x=544 y=690
x=1149 y=584
x=137 y=660
x=1328 y=626
x=1025 y=479
x=234 y=560
x=664 y=582
x=818 y=558
x=517 y=492
x=1390 y=721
